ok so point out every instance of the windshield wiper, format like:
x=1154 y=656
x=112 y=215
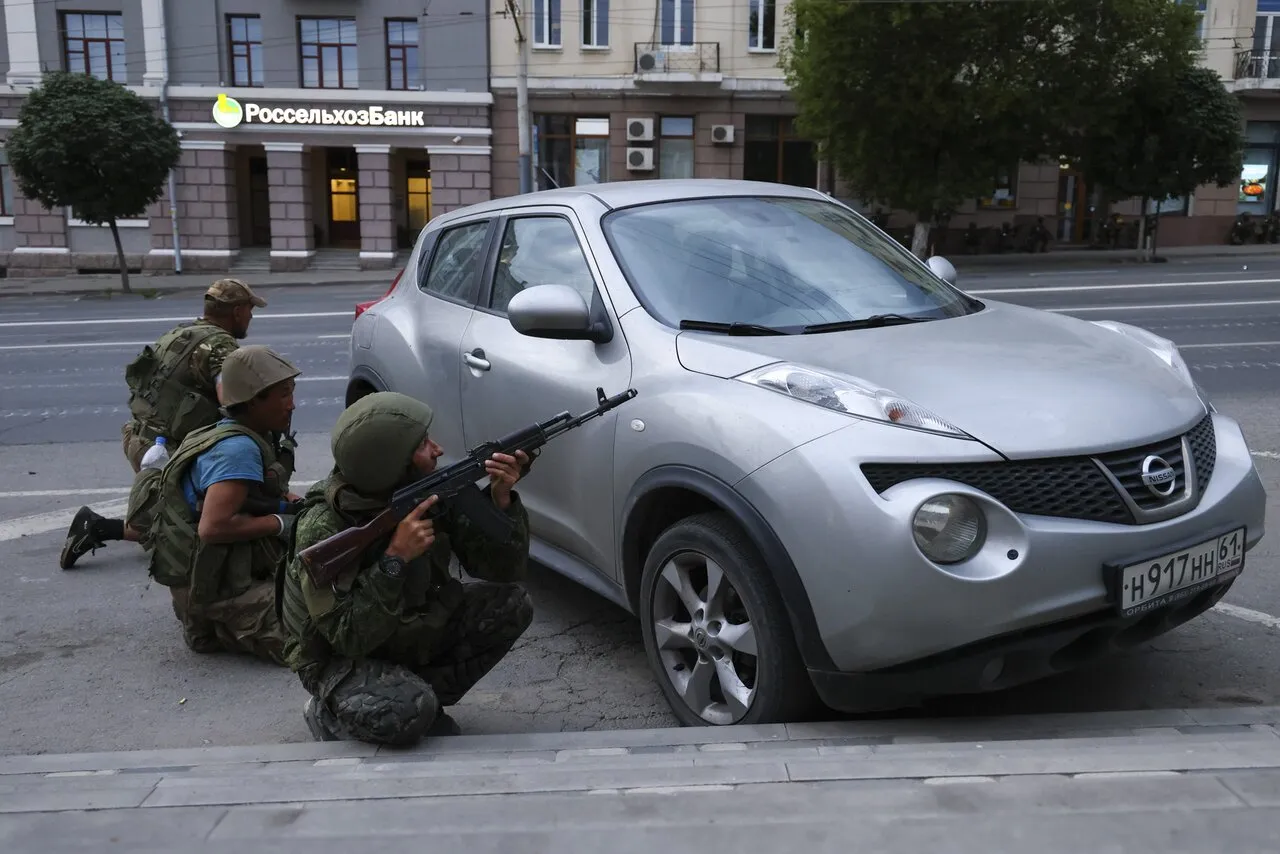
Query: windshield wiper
x=872 y=322
x=731 y=328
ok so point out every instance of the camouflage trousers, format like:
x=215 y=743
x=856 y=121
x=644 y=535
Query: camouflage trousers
x=384 y=702
x=246 y=623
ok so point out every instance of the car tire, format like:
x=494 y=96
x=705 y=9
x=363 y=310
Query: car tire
x=688 y=663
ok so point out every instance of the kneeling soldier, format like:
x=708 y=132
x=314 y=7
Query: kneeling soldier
x=397 y=637
x=224 y=518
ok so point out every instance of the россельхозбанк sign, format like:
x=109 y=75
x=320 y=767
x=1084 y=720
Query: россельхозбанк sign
x=228 y=113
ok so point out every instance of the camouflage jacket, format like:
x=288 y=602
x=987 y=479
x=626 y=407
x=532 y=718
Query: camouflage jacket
x=368 y=614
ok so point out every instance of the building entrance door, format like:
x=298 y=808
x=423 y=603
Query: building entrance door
x=259 y=203
x=344 y=198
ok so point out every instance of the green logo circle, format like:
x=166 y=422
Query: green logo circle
x=227 y=112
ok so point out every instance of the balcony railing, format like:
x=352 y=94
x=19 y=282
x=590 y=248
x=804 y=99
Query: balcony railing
x=1257 y=66
x=696 y=58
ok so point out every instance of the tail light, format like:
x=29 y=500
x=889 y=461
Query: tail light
x=362 y=307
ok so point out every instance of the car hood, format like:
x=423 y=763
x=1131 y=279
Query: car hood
x=1025 y=382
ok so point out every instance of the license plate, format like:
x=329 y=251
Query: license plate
x=1171 y=577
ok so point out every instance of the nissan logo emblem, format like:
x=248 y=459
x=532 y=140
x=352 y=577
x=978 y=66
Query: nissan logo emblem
x=1159 y=476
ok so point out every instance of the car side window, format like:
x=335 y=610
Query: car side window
x=455 y=265
x=539 y=250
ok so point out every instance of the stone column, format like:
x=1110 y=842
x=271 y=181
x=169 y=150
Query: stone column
x=460 y=176
x=377 y=220
x=153 y=43
x=208 y=224
x=293 y=242
x=41 y=247
x=24 y=47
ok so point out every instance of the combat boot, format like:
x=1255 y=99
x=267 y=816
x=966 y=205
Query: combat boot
x=82 y=537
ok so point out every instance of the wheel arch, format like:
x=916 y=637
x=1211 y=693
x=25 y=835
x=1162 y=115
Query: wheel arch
x=667 y=494
x=363 y=381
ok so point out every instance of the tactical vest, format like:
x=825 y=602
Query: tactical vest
x=212 y=571
x=163 y=396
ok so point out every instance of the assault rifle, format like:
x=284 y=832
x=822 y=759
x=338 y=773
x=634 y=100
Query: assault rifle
x=455 y=485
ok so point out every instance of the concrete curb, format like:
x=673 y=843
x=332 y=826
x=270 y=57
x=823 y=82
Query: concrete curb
x=615 y=742
x=113 y=290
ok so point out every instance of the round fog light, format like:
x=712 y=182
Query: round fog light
x=949 y=528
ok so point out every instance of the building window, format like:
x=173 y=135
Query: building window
x=402 y=53
x=773 y=151
x=1004 y=192
x=675 y=151
x=571 y=151
x=595 y=23
x=675 y=21
x=328 y=51
x=245 y=36
x=1201 y=7
x=94 y=44
x=6 y=183
x=546 y=23
x=762 y=21
x=417 y=195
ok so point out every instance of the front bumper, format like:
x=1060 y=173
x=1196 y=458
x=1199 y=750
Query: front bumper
x=882 y=608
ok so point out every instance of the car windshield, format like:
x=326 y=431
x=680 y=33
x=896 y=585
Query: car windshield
x=784 y=264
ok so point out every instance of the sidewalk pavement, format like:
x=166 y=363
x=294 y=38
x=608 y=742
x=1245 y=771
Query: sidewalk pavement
x=1171 y=781
x=154 y=284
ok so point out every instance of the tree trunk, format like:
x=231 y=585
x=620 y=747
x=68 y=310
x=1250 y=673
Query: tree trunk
x=920 y=238
x=124 y=265
x=1142 y=228
x=1155 y=234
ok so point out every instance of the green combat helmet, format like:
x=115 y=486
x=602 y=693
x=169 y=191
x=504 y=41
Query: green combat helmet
x=374 y=439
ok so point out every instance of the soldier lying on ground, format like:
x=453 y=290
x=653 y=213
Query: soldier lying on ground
x=171 y=392
x=222 y=513
x=397 y=637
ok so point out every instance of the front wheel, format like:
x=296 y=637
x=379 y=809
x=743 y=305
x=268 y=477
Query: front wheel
x=715 y=630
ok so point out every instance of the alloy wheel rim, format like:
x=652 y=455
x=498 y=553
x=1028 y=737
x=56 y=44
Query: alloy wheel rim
x=705 y=639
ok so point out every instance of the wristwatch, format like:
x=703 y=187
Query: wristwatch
x=392 y=566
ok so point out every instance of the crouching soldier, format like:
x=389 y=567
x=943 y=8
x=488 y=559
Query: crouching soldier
x=223 y=513
x=396 y=637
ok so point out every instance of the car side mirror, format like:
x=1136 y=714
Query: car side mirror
x=555 y=311
x=943 y=269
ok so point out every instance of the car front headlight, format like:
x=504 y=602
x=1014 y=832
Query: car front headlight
x=949 y=528
x=848 y=396
x=1162 y=348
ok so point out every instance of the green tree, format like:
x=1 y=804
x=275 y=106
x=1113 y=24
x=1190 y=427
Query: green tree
x=1164 y=136
x=95 y=147
x=921 y=104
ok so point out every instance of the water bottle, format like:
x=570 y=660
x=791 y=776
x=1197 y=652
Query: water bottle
x=157 y=455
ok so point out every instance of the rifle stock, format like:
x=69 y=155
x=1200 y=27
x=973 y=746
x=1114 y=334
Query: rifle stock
x=455 y=485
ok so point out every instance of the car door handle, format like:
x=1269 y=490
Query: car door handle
x=477 y=360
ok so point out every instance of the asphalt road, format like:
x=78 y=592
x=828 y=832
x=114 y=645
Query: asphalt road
x=92 y=659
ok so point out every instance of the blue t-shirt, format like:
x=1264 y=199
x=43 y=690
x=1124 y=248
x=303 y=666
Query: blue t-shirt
x=234 y=458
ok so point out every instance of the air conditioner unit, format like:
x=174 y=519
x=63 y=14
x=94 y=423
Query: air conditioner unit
x=722 y=134
x=640 y=159
x=649 y=61
x=639 y=130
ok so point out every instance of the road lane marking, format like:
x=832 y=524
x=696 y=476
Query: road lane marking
x=1248 y=615
x=1231 y=344
x=43 y=523
x=99 y=321
x=59 y=493
x=1160 y=306
x=1049 y=289
x=76 y=345
x=58 y=520
x=343 y=335
x=1266 y=455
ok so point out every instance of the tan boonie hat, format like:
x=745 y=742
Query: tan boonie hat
x=234 y=291
x=249 y=371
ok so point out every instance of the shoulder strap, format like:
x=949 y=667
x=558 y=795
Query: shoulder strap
x=201 y=440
